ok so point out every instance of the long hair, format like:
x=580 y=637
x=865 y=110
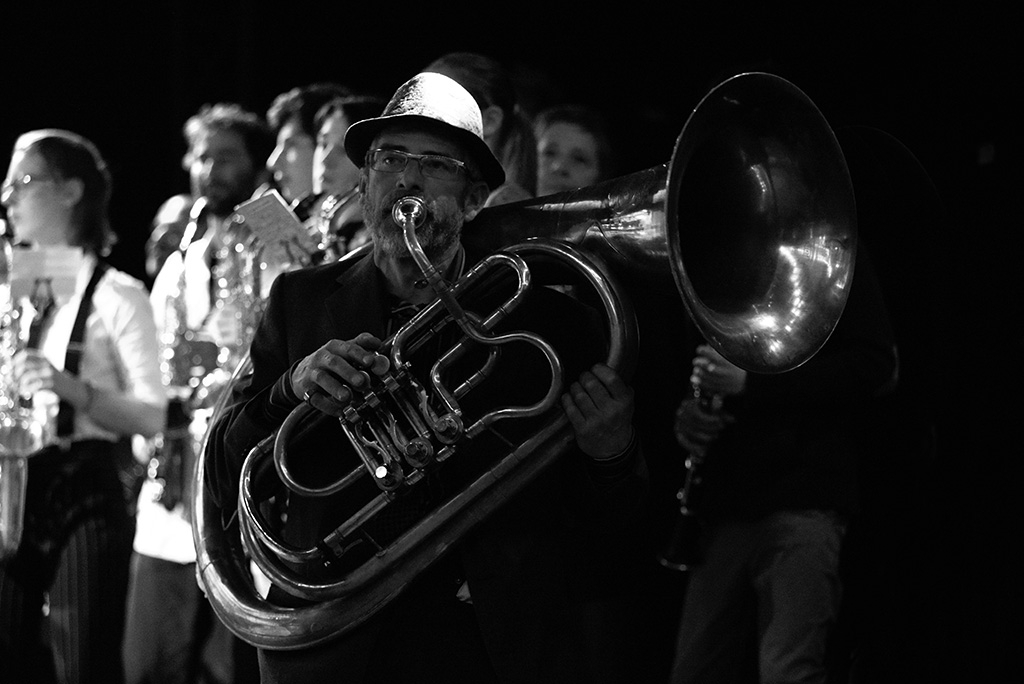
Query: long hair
x=69 y=155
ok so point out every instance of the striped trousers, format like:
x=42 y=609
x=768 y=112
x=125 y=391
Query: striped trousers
x=69 y=631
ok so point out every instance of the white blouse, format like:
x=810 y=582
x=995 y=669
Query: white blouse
x=120 y=353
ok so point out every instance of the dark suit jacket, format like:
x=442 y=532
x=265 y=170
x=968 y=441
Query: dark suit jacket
x=518 y=564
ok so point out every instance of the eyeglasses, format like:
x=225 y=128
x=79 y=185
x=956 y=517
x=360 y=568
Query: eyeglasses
x=19 y=184
x=432 y=165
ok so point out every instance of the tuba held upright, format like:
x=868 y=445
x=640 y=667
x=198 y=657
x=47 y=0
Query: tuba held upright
x=752 y=222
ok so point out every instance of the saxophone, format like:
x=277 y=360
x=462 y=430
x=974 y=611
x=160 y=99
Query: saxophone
x=331 y=221
x=186 y=358
x=236 y=300
x=198 y=365
x=20 y=435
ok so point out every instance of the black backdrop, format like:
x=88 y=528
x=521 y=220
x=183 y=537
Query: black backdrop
x=128 y=76
x=940 y=80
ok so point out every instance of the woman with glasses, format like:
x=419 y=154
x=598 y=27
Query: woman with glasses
x=91 y=372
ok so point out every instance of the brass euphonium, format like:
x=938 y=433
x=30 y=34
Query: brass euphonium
x=753 y=219
x=400 y=429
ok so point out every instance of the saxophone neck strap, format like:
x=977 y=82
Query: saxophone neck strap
x=73 y=355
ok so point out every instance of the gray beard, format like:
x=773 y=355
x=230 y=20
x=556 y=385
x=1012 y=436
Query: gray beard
x=436 y=236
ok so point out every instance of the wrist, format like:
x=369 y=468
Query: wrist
x=620 y=452
x=610 y=470
x=282 y=398
x=288 y=386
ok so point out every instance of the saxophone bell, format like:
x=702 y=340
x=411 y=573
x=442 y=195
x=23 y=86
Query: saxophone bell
x=337 y=213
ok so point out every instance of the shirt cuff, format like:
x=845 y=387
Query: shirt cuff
x=282 y=400
x=615 y=467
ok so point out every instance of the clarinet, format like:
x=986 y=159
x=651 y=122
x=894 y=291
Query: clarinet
x=683 y=549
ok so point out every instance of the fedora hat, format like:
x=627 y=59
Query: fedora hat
x=433 y=97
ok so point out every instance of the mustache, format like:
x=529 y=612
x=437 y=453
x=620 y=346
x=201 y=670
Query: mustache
x=438 y=209
x=388 y=204
x=442 y=226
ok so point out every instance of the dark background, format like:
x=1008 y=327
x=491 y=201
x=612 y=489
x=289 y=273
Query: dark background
x=945 y=82
x=128 y=76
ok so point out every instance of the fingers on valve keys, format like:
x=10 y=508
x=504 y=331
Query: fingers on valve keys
x=343 y=393
x=338 y=371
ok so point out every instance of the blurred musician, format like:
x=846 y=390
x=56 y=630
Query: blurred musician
x=501 y=601
x=197 y=315
x=82 y=353
x=333 y=209
x=291 y=119
x=166 y=231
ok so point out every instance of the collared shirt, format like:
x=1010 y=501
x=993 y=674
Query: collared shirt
x=119 y=351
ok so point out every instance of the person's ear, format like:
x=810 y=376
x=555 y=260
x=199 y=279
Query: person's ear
x=493 y=117
x=70 y=191
x=476 y=197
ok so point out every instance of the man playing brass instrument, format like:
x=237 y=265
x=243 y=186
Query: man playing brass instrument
x=499 y=606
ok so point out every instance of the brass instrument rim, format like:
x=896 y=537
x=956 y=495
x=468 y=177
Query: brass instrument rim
x=761 y=99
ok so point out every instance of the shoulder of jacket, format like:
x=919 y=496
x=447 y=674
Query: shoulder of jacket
x=320 y=275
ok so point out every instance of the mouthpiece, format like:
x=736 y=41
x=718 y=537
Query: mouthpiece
x=409 y=210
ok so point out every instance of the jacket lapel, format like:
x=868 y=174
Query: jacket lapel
x=358 y=303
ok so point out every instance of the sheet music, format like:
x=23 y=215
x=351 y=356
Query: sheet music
x=60 y=265
x=271 y=221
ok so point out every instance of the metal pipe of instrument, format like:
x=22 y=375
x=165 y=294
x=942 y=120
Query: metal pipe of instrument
x=333 y=206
